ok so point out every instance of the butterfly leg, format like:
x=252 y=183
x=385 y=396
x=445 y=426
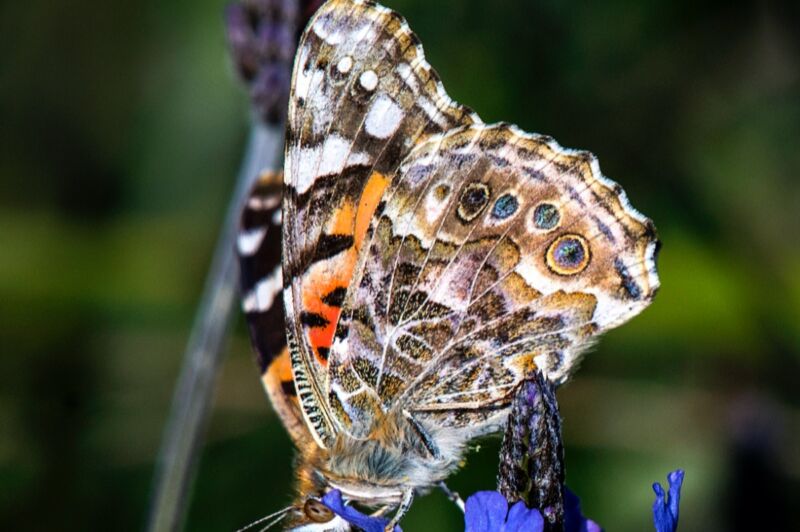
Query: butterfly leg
x=380 y=512
x=402 y=510
x=426 y=442
x=452 y=495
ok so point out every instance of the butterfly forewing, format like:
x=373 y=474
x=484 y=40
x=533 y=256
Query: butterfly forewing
x=362 y=98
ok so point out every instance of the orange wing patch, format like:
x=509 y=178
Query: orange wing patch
x=279 y=384
x=327 y=279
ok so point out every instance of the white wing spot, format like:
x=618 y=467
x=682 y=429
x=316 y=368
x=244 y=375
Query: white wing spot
x=431 y=110
x=330 y=36
x=369 y=80
x=384 y=117
x=407 y=75
x=248 y=242
x=263 y=204
x=260 y=298
x=330 y=157
x=345 y=64
x=435 y=203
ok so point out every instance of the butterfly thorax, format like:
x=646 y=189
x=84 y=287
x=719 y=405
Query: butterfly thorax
x=378 y=469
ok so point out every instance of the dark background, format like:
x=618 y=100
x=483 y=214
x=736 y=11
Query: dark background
x=121 y=129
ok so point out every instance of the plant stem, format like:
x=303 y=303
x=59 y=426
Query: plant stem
x=192 y=400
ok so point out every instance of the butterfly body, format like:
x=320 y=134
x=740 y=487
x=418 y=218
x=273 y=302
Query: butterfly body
x=430 y=264
x=379 y=468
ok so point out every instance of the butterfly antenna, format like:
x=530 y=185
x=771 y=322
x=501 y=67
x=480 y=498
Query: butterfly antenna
x=273 y=523
x=274 y=517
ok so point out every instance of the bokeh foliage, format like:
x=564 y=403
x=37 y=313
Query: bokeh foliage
x=122 y=126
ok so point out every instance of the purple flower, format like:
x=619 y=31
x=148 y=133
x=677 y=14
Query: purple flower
x=487 y=511
x=574 y=521
x=665 y=507
x=263 y=36
x=333 y=500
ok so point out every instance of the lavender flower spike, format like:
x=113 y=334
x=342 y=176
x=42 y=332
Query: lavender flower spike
x=263 y=36
x=665 y=508
x=532 y=457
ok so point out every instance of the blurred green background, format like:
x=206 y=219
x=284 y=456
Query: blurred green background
x=122 y=126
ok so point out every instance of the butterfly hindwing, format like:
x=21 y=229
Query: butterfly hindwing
x=483 y=265
x=362 y=98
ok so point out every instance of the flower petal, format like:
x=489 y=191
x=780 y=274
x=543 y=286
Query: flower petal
x=333 y=500
x=522 y=519
x=574 y=521
x=675 y=479
x=485 y=511
x=665 y=511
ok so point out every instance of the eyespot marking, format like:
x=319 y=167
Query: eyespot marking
x=546 y=216
x=568 y=255
x=505 y=206
x=441 y=192
x=473 y=199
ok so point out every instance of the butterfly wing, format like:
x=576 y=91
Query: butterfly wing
x=496 y=253
x=362 y=98
x=259 y=251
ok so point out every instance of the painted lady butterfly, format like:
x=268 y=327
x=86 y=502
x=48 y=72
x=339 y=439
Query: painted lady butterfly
x=430 y=262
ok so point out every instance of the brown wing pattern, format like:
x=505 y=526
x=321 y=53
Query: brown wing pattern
x=362 y=98
x=495 y=253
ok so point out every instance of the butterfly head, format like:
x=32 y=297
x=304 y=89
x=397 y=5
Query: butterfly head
x=308 y=514
x=376 y=471
x=314 y=516
x=312 y=510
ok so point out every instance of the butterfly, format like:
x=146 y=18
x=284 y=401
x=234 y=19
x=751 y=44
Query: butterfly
x=430 y=263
